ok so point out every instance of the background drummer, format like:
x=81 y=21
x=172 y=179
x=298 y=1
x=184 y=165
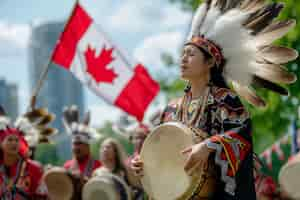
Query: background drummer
x=82 y=164
x=20 y=177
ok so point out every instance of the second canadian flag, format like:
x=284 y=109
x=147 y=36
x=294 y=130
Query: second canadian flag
x=85 y=51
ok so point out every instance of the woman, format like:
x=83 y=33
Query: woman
x=113 y=158
x=229 y=44
x=20 y=177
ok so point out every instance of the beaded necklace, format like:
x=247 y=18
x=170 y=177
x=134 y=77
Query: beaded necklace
x=9 y=184
x=182 y=113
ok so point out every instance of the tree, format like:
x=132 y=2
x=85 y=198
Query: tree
x=271 y=122
x=46 y=154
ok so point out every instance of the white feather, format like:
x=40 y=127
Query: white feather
x=234 y=40
x=197 y=20
x=210 y=20
x=229 y=34
x=266 y=38
x=4 y=122
x=32 y=137
x=74 y=127
x=23 y=124
x=82 y=129
x=240 y=49
x=29 y=129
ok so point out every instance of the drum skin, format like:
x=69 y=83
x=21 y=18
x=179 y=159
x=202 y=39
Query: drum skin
x=105 y=186
x=164 y=175
x=289 y=177
x=59 y=184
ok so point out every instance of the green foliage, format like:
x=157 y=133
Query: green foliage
x=188 y=4
x=46 y=154
x=271 y=122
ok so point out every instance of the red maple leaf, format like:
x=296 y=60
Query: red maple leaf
x=97 y=66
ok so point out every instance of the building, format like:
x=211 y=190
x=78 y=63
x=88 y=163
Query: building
x=60 y=87
x=9 y=98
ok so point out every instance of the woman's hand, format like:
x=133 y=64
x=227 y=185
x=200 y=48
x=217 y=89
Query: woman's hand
x=197 y=158
x=136 y=166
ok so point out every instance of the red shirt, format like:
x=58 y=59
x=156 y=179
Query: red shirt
x=83 y=165
x=28 y=175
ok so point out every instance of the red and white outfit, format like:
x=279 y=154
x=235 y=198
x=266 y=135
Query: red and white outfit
x=84 y=167
x=23 y=179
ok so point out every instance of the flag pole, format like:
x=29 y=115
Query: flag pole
x=46 y=70
x=38 y=87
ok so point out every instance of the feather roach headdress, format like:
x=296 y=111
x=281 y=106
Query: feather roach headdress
x=35 y=125
x=239 y=35
x=80 y=131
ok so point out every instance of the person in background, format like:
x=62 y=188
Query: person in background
x=82 y=162
x=112 y=157
x=82 y=165
x=20 y=177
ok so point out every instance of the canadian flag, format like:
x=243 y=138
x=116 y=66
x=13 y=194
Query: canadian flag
x=86 y=52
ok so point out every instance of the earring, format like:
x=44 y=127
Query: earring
x=187 y=87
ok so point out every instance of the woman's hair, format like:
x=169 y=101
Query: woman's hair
x=216 y=72
x=120 y=155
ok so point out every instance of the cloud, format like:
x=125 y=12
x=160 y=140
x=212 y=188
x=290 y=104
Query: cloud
x=101 y=113
x=175 y=17
x=148 y=16
x=150 y=50
x=14 y=38
x=129 y=17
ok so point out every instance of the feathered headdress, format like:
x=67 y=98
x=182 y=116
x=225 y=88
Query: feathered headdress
x=80 y=131
x=239 y=35
x=35 y=125
x=31 y=128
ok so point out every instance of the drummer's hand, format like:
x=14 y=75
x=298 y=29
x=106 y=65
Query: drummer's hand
x=197 y=158
x=137 y=166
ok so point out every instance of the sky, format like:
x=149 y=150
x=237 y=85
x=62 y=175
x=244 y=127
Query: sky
x=141 y=29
